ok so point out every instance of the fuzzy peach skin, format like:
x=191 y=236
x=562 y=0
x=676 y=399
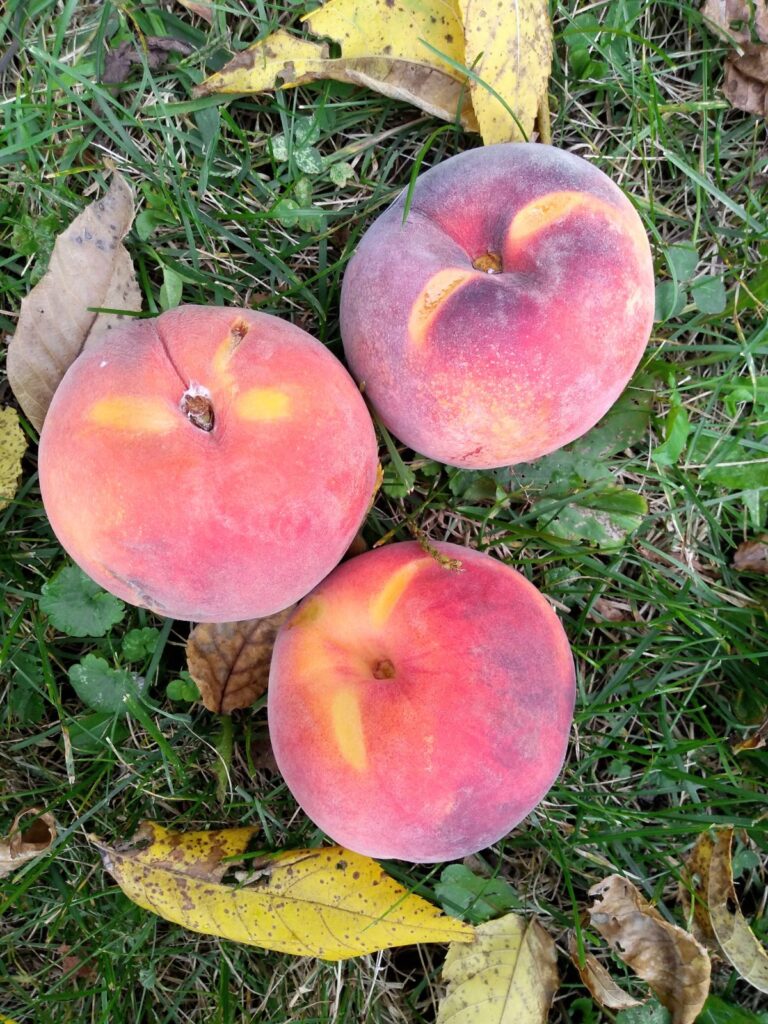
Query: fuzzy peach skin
x=507 y=314
x=213 y=525
x=420 y=712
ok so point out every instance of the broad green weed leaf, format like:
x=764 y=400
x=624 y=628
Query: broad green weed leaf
x=670 y=301
x=104 y=688
x=683 y=260
x=309 y=160
x=676 y=430
x=138 y=644
x=472 y=898
x=77 y=606
x=709 y=295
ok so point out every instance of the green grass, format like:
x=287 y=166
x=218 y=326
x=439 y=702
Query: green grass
x=665 y=685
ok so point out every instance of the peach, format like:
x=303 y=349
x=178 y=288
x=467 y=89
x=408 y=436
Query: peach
x=210 y=464
x=420 y=712
x=508 y=312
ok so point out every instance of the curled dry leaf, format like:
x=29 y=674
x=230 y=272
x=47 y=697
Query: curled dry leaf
x=693 y=890
x=755 y=741
x=601 y=985
x=507 y=975
x=202 y=10
x=674 y=964
x=89 y=268
x=746 y=79
x=19 y=845
x=328 y=902
x=509 y=48
x=732 y=932
x=752 y=555
x=230 y=661
x=288 y=60
x=738 y=20
x=155 y=50
x=13 y=444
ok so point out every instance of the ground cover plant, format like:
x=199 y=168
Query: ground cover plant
x=645 y=534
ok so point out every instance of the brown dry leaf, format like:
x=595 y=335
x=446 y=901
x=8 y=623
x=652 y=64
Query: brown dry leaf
x=603 y=609
x=734 y=936
x=693 y=889
x=203 y=11
x=601 y=985
x=752 y=555
x=230 y=661
x=507 y=975
x=732 y=19
x=155 y=50
x=674 y=964
x=326 y=902
x=509 y=48
x=284 y=60
x=89 y=268
x=755 y=741
x=746 y=79
x=13 y=444
x=19 y=845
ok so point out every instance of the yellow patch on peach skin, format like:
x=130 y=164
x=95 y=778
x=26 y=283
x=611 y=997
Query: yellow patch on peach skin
x=431 y=297
x=547 y=209
x=383 y=603
x=134 y=413
x=263 y=404
x=347 y=728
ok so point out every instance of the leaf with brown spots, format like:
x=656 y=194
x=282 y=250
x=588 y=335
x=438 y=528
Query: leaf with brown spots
x=693 y=889
x=739 y=21
x=752 y=555
x=154 y=49
x=674 y=964
x=89 y=268
x=507 y=975
x=601 y=985
x=13 y=444
x=282 y=60
x=509 y=49
x=326 y=902
x=19 y=845
x=230 y=661
x=744 y=22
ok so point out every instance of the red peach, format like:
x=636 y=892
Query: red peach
x=420 y=712
x=506 y=315
x=210 y=464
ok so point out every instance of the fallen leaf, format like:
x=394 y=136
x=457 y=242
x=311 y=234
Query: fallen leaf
x=693 y=888
x=735 y=938
x=746 y=79
x=89 y=268
x=755 y=741
x=326 y=902
x=155 y=50
x=507 y=975
x=674 y=964
x=203 y=11
x=20 y=846
x=732 y=19
x=288 y=60
x=13 y=444
x=509 y=48
x=230 y=661
x=601 y=985
x=752 y=555
x=603 y=609
x=80 y=968
x=394 y=30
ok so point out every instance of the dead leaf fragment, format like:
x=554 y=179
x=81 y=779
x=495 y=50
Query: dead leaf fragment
x=746 y=79
x=89 y=268
x=156 y=51
x=733 y=19
x=19 y=845
x=752 y=555
x=13 y=444
x=601 y=985
x=327 y=902
x=755 y=741
x=230 y=661
x=509 y=48
x=204 y=11
x=693 y=890
x=405 y=30
x=507 y=975
x=674 y=964
x=734 y=936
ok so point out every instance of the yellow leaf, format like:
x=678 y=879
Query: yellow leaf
x=673 y=963
x=383 y=28
x=18 y=847
x=732 y=932
x=13 y=444
x=509 y=48
x=328 y=902
x=285 y=60
x=693 y=891
x=508 y=975
x=230 y=661
x=601 y=985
